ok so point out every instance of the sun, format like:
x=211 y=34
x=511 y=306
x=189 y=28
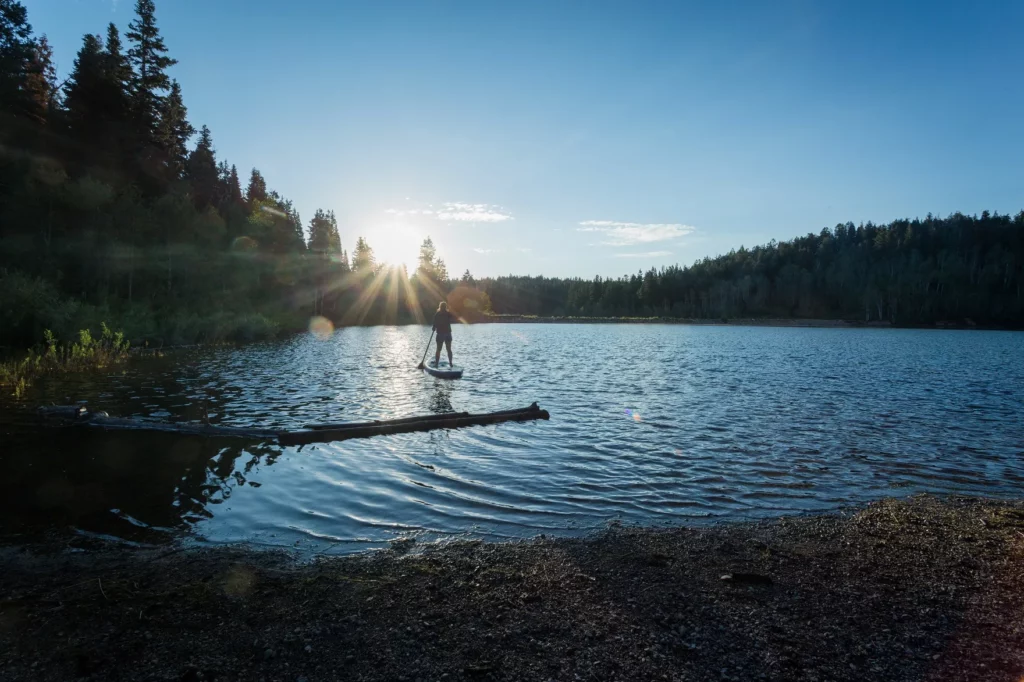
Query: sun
x=396 y=245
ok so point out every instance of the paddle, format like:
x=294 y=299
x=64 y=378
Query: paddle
x=425 y=350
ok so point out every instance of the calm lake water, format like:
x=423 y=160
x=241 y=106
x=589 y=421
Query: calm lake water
x=650 y=424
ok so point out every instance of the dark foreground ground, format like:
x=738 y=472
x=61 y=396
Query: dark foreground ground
x=920 y=589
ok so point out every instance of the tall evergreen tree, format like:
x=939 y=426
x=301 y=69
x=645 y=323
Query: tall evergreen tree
x=431 y=266
x=203 y=172
x=234 y=188
x=97 y=102
x=257 y=189
x=174 y=132
x=118 y=76
x=41 y=82
x=323 y=234
x=83 y=98
x=16 y=48
x=148 y=56
x=363 y=261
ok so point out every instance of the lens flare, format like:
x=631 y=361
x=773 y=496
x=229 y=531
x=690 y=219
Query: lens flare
x=321 y=328
x=243 y=244
x=632 y=414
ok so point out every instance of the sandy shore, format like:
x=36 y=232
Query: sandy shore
x=919 y=589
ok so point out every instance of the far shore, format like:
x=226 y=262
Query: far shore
x=736 y=321
x=914 y=589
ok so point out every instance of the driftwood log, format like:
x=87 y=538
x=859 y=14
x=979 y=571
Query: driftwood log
x=79 y=416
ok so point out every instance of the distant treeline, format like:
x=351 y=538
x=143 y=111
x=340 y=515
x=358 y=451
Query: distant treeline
x=114 y=208
x=907 y=272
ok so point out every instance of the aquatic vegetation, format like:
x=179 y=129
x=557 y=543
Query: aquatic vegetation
x=54 y=357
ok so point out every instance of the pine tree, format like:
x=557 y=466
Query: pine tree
x=202 y=171
x=173 y=133
x=363 y=260
x=334 y=247
x=427 y=254
x=319 y=232
x=431 y=266
x=257 y=189
x=118 y=77
x=16 y=48
x=150 y=61
x=97 y=101
x=234 y=188
x=41 y=82
x=223 y=177
x=84 y=91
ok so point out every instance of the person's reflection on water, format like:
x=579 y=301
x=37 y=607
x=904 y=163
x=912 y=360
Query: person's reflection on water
x=441 y=398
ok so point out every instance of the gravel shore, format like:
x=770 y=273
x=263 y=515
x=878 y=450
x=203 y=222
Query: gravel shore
x=915 y=589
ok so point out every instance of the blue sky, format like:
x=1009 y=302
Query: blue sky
x=582 y=138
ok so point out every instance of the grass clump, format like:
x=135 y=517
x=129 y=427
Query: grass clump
x=53 y=357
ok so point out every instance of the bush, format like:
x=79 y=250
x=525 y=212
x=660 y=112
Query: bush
x=53 y=357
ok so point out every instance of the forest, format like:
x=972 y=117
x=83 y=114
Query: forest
x=959 y=270
x=115 y=208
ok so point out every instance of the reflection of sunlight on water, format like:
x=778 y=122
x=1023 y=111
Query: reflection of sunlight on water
x=395 y=357
x=321 y=328
x=520 y=336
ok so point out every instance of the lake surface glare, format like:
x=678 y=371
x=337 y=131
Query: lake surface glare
x=650 y=424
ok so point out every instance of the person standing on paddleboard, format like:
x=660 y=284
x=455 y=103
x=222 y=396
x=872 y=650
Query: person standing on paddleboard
x=443 y=326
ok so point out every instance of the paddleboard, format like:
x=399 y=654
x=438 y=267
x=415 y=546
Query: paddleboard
x=444 y=371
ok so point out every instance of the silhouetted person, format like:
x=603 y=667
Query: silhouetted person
x=443 y=326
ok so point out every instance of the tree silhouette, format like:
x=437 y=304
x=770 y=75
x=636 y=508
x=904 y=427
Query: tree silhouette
x=173 y=133
x=257 y=189
x=203 y=173
x=148 y=56
x=16 y=53
x=41 y=90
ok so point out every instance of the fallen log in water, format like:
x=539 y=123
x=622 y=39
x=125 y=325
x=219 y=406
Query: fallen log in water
x=79 y=416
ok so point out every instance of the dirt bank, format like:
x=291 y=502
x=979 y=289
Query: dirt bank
x=920 y=589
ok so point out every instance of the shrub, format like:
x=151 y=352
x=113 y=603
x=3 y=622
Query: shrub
x=53 y=357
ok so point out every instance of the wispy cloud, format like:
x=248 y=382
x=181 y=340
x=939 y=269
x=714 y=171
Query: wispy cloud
x=473 y=213
x=456 y=211
x=524 y=249
x=409 y=211
x=629 y=234
x=487 y=250
x=645 y=254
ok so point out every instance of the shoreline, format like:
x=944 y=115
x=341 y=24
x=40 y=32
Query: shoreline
x=735 y=322
x=921 y=588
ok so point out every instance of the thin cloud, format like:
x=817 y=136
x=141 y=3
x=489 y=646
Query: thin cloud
x=630 y=234
x=645 y=254
x=524 y=249
x=473 y=213
x=408 y=211
x=487 y=250
x=456 y=211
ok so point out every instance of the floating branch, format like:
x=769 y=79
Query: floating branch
x=79 y=416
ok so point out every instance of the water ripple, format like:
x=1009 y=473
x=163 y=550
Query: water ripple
x=650 y=424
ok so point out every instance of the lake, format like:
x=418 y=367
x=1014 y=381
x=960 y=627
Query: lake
x=650 y=424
